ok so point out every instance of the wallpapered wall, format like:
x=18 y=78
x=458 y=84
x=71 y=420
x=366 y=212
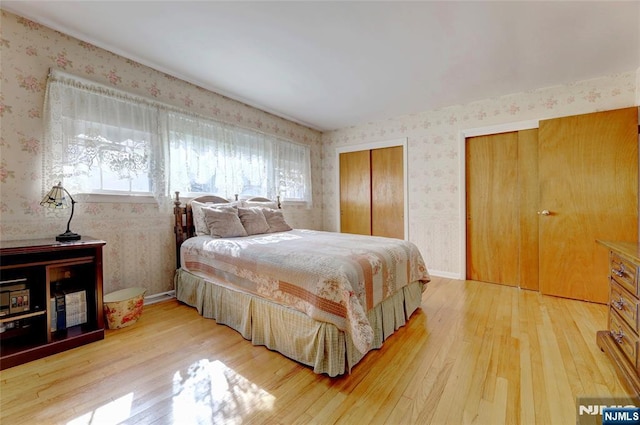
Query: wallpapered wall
x=434 y=150
x=140 y=251
x=140 y=244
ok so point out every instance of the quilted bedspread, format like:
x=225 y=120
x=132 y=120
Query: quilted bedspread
x=332 y=277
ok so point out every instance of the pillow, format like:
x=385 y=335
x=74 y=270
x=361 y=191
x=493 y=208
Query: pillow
x=276 y=220
x=253 y=220
x=198 y=215
x=264 y=204
x=223 y=222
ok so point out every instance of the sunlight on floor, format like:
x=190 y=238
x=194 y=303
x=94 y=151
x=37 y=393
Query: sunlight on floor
x=211 y=392
x=114 y=412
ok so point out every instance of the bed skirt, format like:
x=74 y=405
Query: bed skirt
x=319 y=345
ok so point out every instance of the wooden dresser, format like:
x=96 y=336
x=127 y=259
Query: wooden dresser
x=621 y=340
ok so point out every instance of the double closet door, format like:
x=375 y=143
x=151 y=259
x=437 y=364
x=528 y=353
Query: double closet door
x=537 y=200
x=372 y=192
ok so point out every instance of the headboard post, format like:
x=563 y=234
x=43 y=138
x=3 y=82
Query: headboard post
x=179 y=225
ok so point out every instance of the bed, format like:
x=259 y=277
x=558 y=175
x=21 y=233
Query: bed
x=323 y=299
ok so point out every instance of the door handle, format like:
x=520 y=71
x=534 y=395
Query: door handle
x=544 y=212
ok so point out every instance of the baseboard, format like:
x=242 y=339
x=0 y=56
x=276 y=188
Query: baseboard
x=448 y=275
x=156 y=298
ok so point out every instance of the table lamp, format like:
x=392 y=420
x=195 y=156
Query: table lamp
x=56 y=198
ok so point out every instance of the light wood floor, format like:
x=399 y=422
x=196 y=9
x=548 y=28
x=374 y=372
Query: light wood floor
x=475 y=353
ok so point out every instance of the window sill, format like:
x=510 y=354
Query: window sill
x=113 y=198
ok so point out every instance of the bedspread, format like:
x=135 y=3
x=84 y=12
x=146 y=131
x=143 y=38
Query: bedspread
x=332 y=277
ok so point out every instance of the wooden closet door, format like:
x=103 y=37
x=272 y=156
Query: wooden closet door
x=387 y=192
x=588 y=172
x=493 y=232
x=502 y=191
x=355 y=192
x=529 y=192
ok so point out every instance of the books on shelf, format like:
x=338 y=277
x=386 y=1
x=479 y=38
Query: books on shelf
x=68 y=308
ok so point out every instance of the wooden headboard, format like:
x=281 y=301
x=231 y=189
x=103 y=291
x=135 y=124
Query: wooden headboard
x=183 y=222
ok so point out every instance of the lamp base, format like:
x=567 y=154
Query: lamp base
x=68 y=236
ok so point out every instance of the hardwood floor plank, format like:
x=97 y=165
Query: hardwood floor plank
x=475 y=353
x=556 y=378
x=533 y=315
x=527 y=393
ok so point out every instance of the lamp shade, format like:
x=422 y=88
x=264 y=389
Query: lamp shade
x=55 y=198
x=58 y=198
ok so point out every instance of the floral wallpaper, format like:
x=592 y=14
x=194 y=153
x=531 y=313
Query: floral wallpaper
x=140 y=248
x=434 y=154
x=140 y=244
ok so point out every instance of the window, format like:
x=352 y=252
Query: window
x=106 y=141
x=293 y=171
x=207 y=156
x=106 y=161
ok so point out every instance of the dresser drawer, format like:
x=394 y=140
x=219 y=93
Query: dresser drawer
x=625 y=304
x=625 y=338
x=624 y=272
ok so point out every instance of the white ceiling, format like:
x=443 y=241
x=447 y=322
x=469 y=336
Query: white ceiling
x=331 y=65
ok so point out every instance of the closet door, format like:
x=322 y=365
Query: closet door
x=387 y=192
x=355 y=192
x=502 y=197
x=529 y=193
x=537 y=201
x=372 y=192
x=493 y=234
x=588 y=166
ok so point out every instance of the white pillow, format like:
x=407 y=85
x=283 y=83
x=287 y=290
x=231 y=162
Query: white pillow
x=276 y=220
x=253 y=220
x=223 y=222
x=198 y=215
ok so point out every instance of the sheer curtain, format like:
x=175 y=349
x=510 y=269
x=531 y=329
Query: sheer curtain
x=212 y=157
x=194 y=154
x=102 y=140
x=292 y=171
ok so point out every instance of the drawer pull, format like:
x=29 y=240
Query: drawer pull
x=617 y=336
x=620 y=271
x=618 y=304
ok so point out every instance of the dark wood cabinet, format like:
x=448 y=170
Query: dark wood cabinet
x=50 y=297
